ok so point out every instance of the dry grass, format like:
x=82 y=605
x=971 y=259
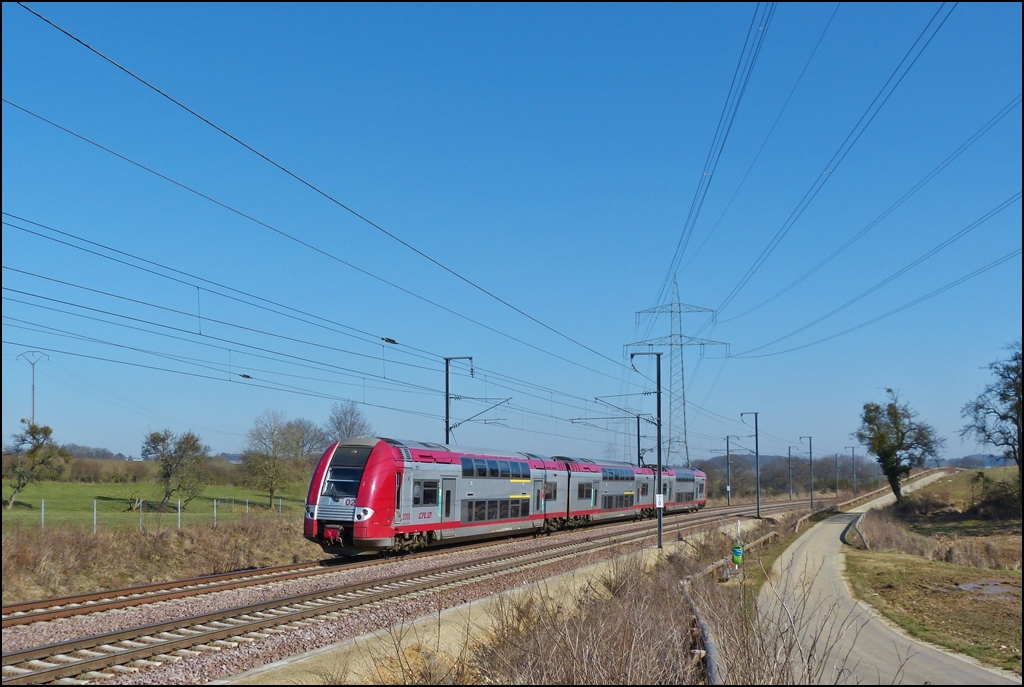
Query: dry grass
x=931 y=526
x=629 y=625
x=73 y=560
x=885 y=533
x=969 y=610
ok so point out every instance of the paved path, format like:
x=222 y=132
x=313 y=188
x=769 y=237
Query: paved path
x=868 y=650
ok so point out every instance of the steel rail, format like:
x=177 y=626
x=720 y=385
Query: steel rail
x=27 y=612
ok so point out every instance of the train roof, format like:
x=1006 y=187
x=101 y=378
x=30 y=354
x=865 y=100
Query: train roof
x=460 y=450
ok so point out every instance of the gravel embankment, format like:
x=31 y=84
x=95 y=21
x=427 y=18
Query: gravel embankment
x=213 y=665
x=225 y=662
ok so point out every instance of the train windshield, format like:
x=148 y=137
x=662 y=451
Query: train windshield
x=342 y=482
x=345 y=471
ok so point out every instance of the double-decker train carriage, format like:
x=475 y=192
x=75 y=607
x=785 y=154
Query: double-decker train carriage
x=374 y=494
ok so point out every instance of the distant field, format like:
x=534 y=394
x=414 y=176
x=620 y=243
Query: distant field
x=72 y=503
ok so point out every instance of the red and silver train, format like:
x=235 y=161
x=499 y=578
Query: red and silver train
x=374 y=494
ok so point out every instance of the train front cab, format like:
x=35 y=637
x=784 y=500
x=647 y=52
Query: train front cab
x=350 y=506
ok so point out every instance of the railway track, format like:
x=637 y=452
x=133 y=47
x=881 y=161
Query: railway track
x=81 y=660
x=69 y=606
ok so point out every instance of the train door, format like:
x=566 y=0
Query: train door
x=538 y=496
x=449 y=509
x=398 y=498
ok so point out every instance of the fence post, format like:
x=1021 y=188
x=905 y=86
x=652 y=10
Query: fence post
x=279 y=511
x=42 y=514
x=247 y=506
x=94 y=516
x=179 y=514
x=140 y=513
x=215 y=513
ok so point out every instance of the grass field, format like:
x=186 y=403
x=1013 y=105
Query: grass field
x=68 y=503
x=970 y=610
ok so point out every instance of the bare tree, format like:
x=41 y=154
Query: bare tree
x=897 y=440
x=308 y=440
x=994 y=417
x=278 y=451
x=37 y=457
x=182 y=463
x=346 y=420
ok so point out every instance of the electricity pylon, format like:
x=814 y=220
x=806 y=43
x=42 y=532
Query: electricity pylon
x=677 y=435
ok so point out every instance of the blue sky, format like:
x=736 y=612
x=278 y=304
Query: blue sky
x=546 y=154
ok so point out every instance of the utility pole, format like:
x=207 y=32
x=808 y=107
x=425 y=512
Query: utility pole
x=810 y=460
x=790 y=473
x=728 y=468
x=659 y=497
x=757 y=463
x=837 y=475
x=676 y=343
x=447 y=392
x=639 y=455
x=33 y=357
x=853 y=457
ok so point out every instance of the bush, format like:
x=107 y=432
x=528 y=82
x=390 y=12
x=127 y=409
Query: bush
x=884 y=533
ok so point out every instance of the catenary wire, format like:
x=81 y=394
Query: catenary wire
x=323 y=193
x=312 y=247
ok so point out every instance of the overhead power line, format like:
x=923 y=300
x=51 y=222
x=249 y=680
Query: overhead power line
x=1009 y=107
x=955 y=237
x=756 y=33
x=308 y=245
x=881 y=98
x=916 y=301
x=767 y=136
x=320 y=191
x=316 y=320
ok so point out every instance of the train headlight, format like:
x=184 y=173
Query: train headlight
x=310 y=512
x=363 y=514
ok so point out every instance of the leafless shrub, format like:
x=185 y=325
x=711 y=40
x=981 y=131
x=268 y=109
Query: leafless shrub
x=603 y=634
x=968 y=551
x=886 y=534
x=414 y=656
x=786 y=637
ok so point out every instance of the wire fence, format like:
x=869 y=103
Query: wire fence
x=109 y=514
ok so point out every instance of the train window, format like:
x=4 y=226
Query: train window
x=481 y=467
x=513 y=508
x=480 y=511
x=492 y=510
x=342 y=482
x=524 y=508
x=448 y=503
x=417 y=493
x=550 y=491
x=430 y=492
x=503 y=510
x=467 y=467
x=584 y=490
x=513 y=470
x=645 y=489
x=503 y=468
x=492 y=468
